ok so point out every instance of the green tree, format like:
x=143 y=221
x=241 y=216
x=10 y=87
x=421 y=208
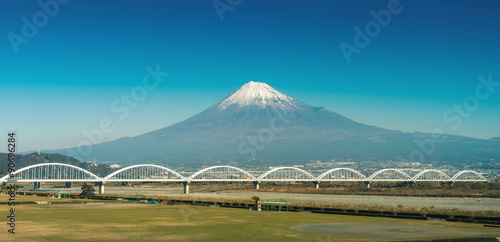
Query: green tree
x=87 y=191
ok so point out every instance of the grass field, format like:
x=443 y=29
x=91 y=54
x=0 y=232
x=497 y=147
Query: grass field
x=143 y=222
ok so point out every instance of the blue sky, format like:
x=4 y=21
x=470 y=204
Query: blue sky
x=65 y=78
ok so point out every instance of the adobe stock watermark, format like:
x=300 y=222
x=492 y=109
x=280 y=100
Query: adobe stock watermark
x=265 y=135
x=121 y=106
x=11 y=168
x=372 y=29
x=223 y=6
x=31 y=26
x=455 y=116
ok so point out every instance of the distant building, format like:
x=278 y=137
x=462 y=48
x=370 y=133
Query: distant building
x=115 y=166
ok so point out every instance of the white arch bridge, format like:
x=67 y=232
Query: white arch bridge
x=59 y=172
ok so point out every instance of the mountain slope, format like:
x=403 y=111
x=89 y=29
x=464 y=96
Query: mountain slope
x=259 y=122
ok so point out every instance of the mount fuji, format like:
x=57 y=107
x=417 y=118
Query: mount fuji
x=258 y=122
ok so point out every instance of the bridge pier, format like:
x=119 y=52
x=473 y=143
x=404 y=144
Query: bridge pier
x=69 y=184
x=316 y=184
x=367 y=183
x=101 y=187
x=37 y=185
x=124 y=183
x=256 y=185
x=186 y=186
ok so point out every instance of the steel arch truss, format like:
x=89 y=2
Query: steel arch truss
x=390 y=175
x=222 y=173
x=468 y=176
x=286 y=174
x=52 y=172
x=431 y=175
x=147 y=173
x=59 y=172
x=342 y=174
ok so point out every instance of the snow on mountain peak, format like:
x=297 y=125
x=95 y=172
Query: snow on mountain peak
x=258 y=94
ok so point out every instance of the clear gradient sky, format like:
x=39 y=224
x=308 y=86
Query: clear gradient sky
x=66 y=77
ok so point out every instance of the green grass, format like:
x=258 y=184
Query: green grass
x=141 y=222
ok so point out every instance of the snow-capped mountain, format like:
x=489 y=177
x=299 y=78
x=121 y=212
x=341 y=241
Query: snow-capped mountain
x=259 y=95
x=258 y=122
x=257 y=106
